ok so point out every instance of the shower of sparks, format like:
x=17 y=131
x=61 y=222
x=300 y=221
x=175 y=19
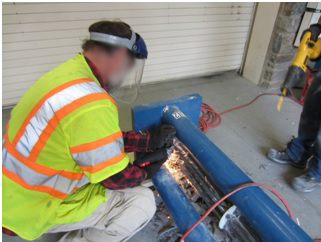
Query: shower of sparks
x=172 y=165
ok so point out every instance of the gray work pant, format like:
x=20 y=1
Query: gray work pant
x=124 y=214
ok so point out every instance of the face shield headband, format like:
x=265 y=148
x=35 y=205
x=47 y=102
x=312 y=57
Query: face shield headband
x=135 y=44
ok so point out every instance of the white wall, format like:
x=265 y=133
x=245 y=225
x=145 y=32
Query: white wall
x=184 y=39
x=263 y=25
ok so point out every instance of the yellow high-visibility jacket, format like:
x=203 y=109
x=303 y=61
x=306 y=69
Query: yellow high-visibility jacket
x=62 y=139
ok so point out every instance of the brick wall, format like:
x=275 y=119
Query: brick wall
x=281 y=50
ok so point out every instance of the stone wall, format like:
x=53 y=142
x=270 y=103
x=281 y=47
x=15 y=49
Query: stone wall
x=281 y=50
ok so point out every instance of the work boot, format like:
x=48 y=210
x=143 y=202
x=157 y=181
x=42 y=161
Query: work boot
x=305 y=183
x=281 y=157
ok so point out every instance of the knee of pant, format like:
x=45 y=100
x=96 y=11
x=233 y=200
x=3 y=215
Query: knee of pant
x=144 y=197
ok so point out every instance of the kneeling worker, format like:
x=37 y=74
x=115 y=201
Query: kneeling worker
x=64 y=163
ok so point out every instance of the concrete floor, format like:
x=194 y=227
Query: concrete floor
x=245 y=136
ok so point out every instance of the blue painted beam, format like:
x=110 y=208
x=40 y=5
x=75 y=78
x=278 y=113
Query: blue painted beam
x=262 y=213
x=180 y=208
x=182 y=211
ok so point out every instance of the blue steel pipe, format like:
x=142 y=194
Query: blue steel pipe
x=263 y=214
x=182 y=211
x=180 y=208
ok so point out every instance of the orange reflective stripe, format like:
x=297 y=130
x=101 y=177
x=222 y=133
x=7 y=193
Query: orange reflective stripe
x=41 y=102
x=103 y=165
x=60 y=114
x=40 y=168
x=96 y=144
x=52 y=192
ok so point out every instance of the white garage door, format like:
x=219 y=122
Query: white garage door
x=184 y=39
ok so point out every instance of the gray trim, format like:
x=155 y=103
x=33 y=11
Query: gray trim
x=114 y=40
x=247 y=43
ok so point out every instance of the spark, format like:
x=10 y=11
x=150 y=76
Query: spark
x=172 y=165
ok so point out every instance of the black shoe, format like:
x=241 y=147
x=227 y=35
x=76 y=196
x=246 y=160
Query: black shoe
x=305 y=183
x=281 y=157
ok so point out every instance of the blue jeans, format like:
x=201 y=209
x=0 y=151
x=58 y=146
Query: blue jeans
x=308 y=143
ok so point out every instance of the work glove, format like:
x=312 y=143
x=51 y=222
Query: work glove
x=145 y=159
x=161 y=137
x=153 y=168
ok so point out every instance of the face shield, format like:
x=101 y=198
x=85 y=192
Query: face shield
x=124 y=86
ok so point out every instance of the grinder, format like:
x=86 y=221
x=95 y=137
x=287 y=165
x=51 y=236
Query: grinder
x=145 y=159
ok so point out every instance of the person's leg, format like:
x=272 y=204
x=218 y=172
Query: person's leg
x=310 y=180
x=299 y=149
x=124 y=214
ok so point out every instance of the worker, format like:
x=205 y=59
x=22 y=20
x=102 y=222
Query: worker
x=64 y=163
x=305 y=150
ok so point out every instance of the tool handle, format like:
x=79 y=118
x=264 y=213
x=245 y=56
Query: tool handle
x=278 y=107
x=152 y=157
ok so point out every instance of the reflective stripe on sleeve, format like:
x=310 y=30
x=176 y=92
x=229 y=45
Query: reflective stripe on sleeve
x=41 y=102
x=47 y=111
x=113 y=161
x=99 y=155
x=96 y=144
x=60 y=114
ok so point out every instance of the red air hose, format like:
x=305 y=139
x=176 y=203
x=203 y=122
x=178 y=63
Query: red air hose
x=211 y=119
x=252 y=184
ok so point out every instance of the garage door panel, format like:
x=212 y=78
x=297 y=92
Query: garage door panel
x=135 y=22
x=198 y=52
x=77 y=19
x=82 y=33
x=154 y=76
x=72 y=25
x=178 y=74
x=48 y=52
x=30 y=8
x=205 y=53
x=155 y=56
x=32 y=45
x=187 y=64
x=189 y=42
x=184 y=39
